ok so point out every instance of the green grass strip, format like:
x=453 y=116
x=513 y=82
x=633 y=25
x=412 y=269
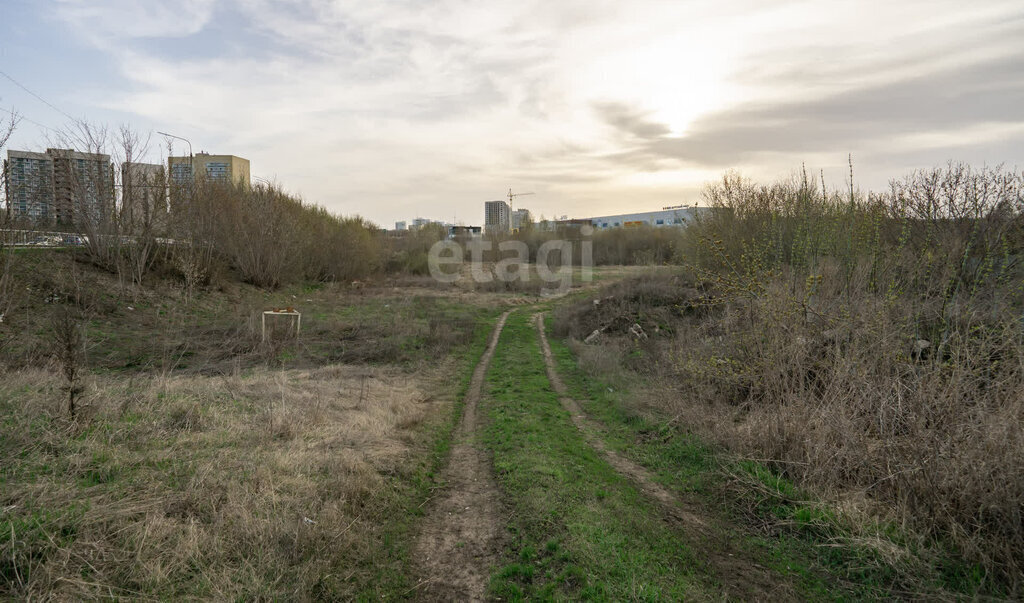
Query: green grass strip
x=815 y=547
x=579 y=530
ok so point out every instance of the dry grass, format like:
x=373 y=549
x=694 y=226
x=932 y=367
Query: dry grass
x=270 y=484
x=931 y=447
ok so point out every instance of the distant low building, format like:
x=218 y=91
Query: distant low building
x=464 y=232
x=419 y=223
x=399 y=225
x=675 y=216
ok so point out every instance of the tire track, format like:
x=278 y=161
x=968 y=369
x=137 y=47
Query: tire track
x=460 y=537
x=739 y=575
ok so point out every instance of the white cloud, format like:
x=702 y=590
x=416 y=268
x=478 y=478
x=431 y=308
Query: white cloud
x=388 y=108
x=115 y=19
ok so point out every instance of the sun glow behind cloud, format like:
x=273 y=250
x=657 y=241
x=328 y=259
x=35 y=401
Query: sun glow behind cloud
x=677 y=77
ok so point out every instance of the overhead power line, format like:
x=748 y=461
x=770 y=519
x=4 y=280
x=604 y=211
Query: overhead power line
x=31 y=121
x=41 y=99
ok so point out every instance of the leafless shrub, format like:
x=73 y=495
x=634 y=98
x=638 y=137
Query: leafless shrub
x=870 y=345
x=7 y=258
x=143 y=216
x=603 y=361
x=68 y=350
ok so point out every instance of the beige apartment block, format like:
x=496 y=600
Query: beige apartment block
x=225 y=168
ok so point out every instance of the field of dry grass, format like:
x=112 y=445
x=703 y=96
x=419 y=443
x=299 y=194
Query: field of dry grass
x=860 y=360
x=200 y=461
x=267 y=483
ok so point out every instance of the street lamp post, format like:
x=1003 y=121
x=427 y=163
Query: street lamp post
x=191 y=160
x=191 y=170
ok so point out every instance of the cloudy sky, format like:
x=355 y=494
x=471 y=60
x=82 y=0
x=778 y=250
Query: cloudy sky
x=405 y=108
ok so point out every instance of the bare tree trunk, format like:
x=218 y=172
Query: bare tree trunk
x=142 y=205
x=6 y=253
x=84 y=191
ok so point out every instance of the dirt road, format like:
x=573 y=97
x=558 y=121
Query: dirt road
x=460 y=537
x=476 y=523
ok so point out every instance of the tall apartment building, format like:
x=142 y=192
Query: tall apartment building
x=223 y=168
x=497 y=217
x=83 y=186
x=143 y=196
x=28 y=183
x=60 y=186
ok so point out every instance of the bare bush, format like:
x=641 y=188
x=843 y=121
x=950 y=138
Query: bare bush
x=68 y=348
x=869 y=344
x=142 y=219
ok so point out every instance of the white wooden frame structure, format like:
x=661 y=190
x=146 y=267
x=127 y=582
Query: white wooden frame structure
x=285 y=312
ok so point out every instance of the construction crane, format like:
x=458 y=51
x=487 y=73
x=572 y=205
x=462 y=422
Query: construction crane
x=512 y=196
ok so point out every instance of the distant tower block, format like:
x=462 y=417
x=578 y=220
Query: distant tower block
x=497 y=217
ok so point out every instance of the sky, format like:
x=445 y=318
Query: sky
x=395 y=109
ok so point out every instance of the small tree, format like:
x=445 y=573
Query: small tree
x=73 y=303
x=193 y=224
x=85 y=191
x=143 y=211
x=68 y=350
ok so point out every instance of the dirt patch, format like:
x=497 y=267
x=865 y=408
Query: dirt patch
x=460 y=538
x=740 y=576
